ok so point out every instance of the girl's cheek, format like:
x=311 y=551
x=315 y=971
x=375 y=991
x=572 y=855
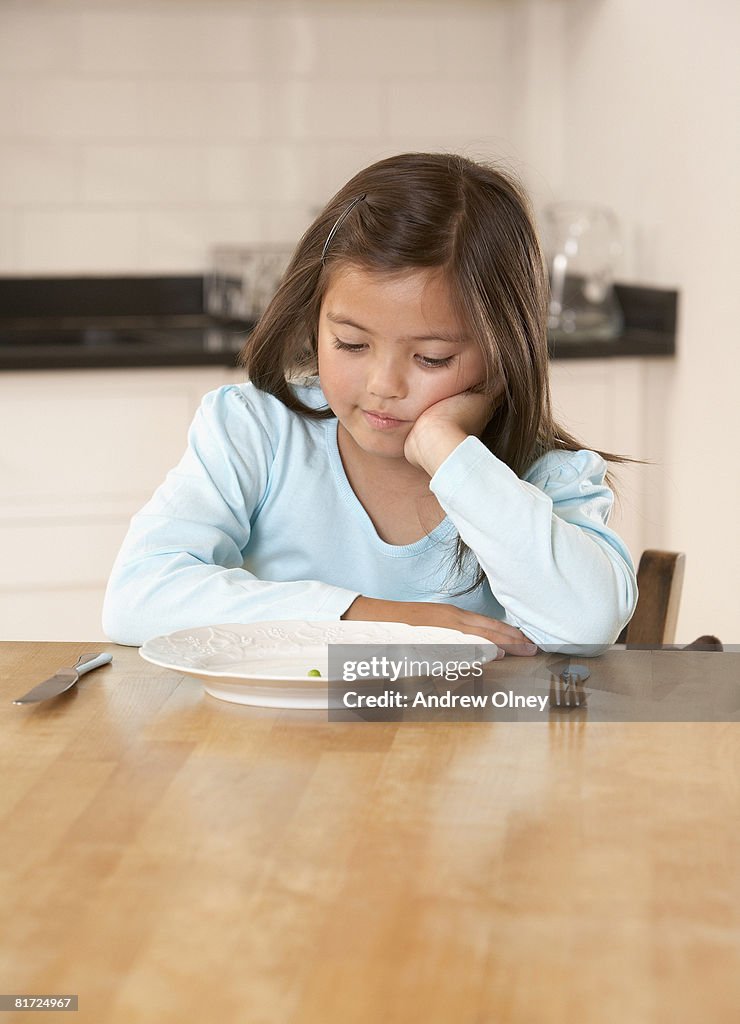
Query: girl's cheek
x=434 y=395
x=453 y=385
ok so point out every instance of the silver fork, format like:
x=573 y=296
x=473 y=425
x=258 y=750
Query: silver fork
x=566 y=689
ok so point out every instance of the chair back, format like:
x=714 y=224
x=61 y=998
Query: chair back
x=660 y=581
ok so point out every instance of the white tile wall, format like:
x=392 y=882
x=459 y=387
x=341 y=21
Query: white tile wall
x=60 y=109
x=50 y=241
x=136 y=135
x=143 y=173
x=36 y=38
x=40 y=173
x=173 y=40
x=7 y=242
x=179 y=237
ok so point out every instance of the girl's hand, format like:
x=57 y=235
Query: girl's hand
x=441 y=427
x=508 y=638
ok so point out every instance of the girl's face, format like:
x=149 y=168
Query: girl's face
x=389 y=347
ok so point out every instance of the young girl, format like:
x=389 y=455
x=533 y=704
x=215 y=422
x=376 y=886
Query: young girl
x=393 y=456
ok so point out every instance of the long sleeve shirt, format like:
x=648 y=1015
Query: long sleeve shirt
x=258 y=522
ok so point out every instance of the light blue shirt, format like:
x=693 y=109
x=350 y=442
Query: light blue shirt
x=259 y=522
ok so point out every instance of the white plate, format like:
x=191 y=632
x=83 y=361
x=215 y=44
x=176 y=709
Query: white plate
x=266 y=664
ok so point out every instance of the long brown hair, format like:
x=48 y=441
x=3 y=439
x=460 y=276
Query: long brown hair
x=431 y=210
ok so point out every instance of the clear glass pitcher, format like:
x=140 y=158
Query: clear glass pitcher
x=582 y=243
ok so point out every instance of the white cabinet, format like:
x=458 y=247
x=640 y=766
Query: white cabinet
x=81 y=452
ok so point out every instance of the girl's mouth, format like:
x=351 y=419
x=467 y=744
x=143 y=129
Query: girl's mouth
x=381 y=421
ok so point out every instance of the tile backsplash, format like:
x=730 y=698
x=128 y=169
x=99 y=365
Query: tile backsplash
x=135 y=136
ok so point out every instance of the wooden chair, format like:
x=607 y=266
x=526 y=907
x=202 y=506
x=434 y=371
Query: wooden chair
x=660 y=581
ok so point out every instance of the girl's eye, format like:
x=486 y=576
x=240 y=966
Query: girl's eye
x=346 y=347
x=425 y=361
x=433 y=363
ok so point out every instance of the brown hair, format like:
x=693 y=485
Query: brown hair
x=431 y=210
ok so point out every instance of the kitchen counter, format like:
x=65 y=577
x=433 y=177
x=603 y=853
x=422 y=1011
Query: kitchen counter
x=167 y=855
x=60 y=323
x=107 y=342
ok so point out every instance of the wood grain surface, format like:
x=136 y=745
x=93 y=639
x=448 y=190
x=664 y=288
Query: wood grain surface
x=169 y=857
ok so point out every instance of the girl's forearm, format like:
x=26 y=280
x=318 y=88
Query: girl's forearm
x=429 y=613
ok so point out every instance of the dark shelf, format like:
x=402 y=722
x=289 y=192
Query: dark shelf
x=649 y=327
x=59 y=298
x=49 y=357
x=632 y=343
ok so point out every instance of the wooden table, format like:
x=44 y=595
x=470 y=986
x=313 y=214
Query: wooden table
x=169 y=857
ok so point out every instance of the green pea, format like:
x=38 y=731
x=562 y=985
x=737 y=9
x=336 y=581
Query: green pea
x=314 y=672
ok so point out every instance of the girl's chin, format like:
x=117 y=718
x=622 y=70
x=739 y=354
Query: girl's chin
x=384 y=443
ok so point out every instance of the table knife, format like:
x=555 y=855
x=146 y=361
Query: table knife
x=64 y=678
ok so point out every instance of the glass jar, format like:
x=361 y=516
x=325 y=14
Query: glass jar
x=243 y=280
x=582 y=244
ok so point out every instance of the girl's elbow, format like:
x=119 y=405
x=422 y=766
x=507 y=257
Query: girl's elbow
x=590 y=632
x=118 y=622
x=603 y=616
x=599 y=625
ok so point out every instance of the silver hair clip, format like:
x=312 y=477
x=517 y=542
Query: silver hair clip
x=338 y=223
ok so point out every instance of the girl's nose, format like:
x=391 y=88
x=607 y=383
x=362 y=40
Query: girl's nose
x=386 y=380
